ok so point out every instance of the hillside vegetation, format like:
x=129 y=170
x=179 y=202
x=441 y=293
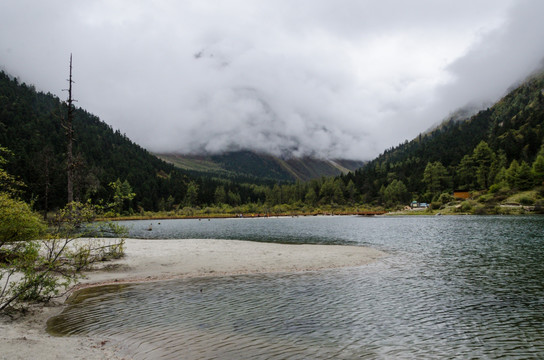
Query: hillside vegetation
x=495 y=155
x=497 y=151
x=106 y=160
x=258 y=167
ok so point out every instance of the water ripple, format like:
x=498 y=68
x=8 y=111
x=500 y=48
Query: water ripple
x=463 y=288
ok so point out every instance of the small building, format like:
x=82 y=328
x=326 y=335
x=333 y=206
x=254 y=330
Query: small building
x=417 y=205
x=461 y=194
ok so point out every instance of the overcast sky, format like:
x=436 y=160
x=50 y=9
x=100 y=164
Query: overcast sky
x=333 y=78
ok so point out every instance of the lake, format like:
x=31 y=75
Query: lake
x=452 y=287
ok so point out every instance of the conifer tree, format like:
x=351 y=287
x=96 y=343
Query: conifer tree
x=311 y=197
x=436 y=177
x=524 y=179
x=538 y=170
x=220 y=195
x=512 y=174
x=466 y=173
x=483 y=157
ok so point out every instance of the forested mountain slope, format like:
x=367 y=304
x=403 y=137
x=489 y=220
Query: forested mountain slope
x=513 y=129
x=497 y=148
x=30 y=127
x=261 y=166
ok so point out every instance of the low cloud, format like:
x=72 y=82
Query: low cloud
x=331 y=79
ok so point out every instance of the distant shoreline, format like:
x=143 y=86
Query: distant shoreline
x=522 y=211
x=240 y=216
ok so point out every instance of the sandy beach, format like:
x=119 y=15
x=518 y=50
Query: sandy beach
x=155 y=260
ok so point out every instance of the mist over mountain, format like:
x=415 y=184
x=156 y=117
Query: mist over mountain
x=512 y=128
x=511 y=131
x=311 y=78
x=262 y=166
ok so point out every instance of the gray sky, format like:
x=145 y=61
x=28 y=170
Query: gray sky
x=334 y=78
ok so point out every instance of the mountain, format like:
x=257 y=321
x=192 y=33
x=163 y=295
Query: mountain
x=513 y=128
x=261 y=166
x=490 y=150
x=30 y=127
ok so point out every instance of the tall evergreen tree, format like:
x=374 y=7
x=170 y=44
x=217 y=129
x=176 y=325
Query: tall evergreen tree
x=483 y=157
x=466 y=174
x=220 y=196
x=191 y=196
x=499 y=163
x=436 y=177
x=538 y=170
x=395 y=193
x=512 y=174
x=524 y=179
x=311 y=197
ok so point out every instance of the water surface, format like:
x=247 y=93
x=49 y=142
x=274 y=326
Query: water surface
x=452 y=287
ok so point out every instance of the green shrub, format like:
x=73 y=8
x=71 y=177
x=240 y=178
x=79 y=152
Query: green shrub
x=539 y=207
x=445 y=198
x=479 y=210
x=17 y=221
x=466 y=206
x=527 y=201
x=501 y=187
x=495 y=188
x=435 y=205
x=49 y=265
x=485 y=198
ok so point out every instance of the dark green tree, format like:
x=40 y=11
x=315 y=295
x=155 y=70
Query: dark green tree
x=466 y=174
x=497 y=166
x=351 y=191
x=436 y=177
x=512 y=174
x=233 y=198
x=483 y=157
x=122 y=196
x=538 y=170
x=220 y=196
x=311 y=197
x=338 y=192
x=191 y=195
x=274 y=195
x=524 y=179
x=395 y=193
x=326 y=193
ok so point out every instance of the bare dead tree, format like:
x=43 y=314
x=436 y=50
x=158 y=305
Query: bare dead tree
x=67 y=125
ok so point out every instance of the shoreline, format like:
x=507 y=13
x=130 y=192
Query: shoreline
x=242 y=215
x=158 y=260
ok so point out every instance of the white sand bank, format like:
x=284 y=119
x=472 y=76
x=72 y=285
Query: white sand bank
x=149 y=260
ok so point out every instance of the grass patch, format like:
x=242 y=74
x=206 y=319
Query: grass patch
x=524 y=198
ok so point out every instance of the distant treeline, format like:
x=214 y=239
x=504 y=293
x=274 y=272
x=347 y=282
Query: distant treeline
x=30 y=127
x=497 y=148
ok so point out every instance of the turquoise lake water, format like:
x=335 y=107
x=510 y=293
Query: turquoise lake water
x=452 y=287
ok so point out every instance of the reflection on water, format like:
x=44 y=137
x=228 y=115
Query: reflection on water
x=454 y=287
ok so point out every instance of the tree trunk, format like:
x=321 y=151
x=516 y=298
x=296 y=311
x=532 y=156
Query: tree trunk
x=70 y=136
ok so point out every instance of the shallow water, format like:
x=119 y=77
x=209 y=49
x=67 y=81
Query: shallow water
x=452 y=287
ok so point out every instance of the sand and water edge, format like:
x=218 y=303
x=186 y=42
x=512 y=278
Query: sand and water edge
x=25 y=337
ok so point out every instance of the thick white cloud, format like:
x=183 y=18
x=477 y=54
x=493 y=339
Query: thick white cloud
x=330 y=78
